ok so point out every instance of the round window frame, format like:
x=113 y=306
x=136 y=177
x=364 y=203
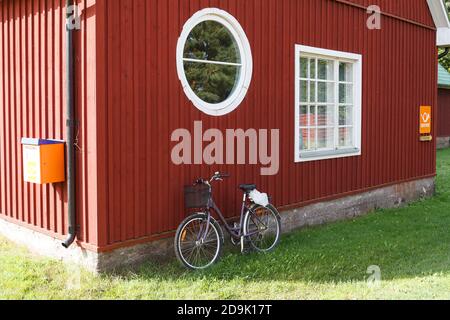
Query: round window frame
x=245 y=77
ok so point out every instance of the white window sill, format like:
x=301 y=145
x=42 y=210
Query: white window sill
x=326 y=155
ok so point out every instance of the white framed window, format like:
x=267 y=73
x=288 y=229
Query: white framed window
x=214 y=61
x=328 y=88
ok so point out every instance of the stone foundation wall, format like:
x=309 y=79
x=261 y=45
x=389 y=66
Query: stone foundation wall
x=443 y=142
x=315 y=214
x=47 y=246
x=358 y=205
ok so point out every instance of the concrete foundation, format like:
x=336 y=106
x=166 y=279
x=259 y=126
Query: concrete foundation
x=344 y=208
x=358 y=205
x=443 y=142
x=47 y=246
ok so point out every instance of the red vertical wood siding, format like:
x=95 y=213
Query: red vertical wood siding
x=129 y=101
x=32 y=104
x=140 y=103
x=416 y=11
x=443 y=117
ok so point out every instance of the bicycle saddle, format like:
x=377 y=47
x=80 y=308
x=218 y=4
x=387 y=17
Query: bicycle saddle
x=247 y=187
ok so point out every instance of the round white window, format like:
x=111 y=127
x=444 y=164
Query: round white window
x=214 y=61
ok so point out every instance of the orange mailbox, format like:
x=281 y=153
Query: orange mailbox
x=43 y=161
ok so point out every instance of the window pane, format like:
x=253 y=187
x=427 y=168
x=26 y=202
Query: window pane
x=304 y=139
x=345 y=72
x=325 y=92
x=211 y=83
x=326 y=69
x=304 y=67
x=304 y=116
x=312 y=115
x=325 y=116
x=345 y=93
x=212 y=41
x=312 y=92
x=345 y=115
x=303 y=91
x=325 y=138
x=312 y=139
x=312 y=68
x=345 y=137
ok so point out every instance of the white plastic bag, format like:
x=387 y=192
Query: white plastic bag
x=259 y=198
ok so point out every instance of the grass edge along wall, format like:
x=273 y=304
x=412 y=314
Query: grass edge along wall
x=129 y=100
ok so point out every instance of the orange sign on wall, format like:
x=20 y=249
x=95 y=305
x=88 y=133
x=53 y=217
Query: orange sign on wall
x=425 y=120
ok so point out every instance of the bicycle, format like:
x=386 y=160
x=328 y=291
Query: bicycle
x=200 y=238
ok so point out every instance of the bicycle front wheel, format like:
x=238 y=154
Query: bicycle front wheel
x=263 y=228
x=198 y=245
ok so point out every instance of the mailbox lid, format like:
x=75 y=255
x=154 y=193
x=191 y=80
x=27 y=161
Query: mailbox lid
x=40 y=142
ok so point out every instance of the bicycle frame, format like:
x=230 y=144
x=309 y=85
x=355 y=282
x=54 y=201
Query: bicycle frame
x=238 y=232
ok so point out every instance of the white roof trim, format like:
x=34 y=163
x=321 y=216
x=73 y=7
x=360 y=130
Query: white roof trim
x=443 y=37
x=440 y=17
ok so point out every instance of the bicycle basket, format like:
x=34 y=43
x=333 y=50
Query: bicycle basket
x=196 y=196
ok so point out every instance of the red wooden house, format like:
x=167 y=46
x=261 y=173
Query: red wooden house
x=443 y=129
x=334 y=78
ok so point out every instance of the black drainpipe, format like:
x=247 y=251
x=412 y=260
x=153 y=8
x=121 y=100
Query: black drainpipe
x=443 y=54
x=70 y=123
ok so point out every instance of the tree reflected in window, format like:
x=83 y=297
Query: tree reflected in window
x=212 y=62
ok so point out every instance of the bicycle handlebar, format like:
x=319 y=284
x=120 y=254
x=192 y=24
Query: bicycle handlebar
x=216 y=177
x=219 y=176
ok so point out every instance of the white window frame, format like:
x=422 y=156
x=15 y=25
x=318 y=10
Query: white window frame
x=245 y=76
x=336 y=56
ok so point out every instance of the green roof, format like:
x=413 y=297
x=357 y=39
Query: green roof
x=444 y=77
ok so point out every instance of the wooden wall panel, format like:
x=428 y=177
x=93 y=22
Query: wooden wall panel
x=142 y=103
x=32 y=86
x=443 y=116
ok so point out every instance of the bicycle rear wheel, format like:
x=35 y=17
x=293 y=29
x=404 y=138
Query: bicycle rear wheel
x=195 y=249
x=263 y=228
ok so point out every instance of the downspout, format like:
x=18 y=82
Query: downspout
x=70 y=124
x=443 y=54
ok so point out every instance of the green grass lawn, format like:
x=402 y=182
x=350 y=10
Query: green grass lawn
x=411 y=246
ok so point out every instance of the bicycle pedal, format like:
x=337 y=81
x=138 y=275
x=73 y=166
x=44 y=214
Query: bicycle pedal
x=235 y=242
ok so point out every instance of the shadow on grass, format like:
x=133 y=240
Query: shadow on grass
x=408 y=242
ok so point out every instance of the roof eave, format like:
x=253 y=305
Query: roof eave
x=443 y=37
x=440 y=17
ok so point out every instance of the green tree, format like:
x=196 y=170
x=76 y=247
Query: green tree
x=445 y=61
